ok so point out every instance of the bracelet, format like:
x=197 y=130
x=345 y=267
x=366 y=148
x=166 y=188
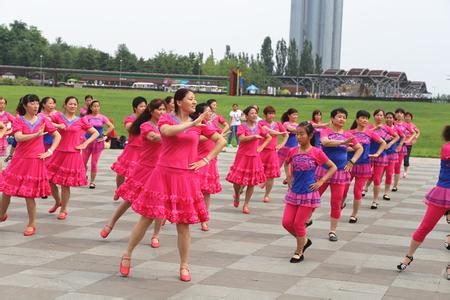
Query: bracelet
x=351 y=161
x=50 y=151
x=205 y=160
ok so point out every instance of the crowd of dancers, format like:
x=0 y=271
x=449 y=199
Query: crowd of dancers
x=168 y=169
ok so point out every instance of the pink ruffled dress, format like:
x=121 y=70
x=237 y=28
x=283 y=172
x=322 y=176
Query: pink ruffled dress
x=338 y=155
x=173 y=191
x=247 y=168
x=5 y=118
x=66 y=166
x=440 y=194
x=269 y=155
x=303 y=166
x=128 y=158
x=209 y=174
x=26 y=175
x=149 y=155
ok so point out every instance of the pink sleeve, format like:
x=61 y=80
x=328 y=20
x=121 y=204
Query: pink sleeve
x=389 y=130
x=399 y=132
x=445 y=152
x=104 y=119
x=320 y=156
x=348 y=134
x=374 y=136
x=208 y=131
x=54 y=118
x=281 y=128
x=325 y=132
x=49 y=126
x=17 y=126
x=221 y=120
x=128 y=119
x=290 y=154
x=166 y=119
x=10 y=117
x=146 y=129
x=262 y=131
x=241 y=131
x=85 y=125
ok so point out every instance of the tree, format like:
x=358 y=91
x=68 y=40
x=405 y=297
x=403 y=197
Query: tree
x=129 y=60
x=267 y=55
x=292 y=59
x=280 y=57
x=318 y=65
x=306 y=59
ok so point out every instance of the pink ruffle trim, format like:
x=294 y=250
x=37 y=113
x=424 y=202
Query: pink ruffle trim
x=24 y=186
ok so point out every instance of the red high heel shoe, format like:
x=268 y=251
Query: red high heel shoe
x=29 y=231
x=185 y=277
x=54 y=208
x=125 y=270
x=235 y=200
x=106 y=231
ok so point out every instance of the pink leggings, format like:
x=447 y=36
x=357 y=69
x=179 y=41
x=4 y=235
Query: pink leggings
x=337 y=194
x=360 y=182
x=398 y=163
x=94 y=159
x=377 y=173
x=430 y=219
x=295 y=218
x=389 y=172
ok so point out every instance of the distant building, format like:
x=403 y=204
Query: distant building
x=320 y=22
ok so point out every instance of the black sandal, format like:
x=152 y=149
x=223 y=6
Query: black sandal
x=374 y=205
x=353 y=219
x=332 y=237
x=364 y=193
x=343 y=205
x=92 y=186
x=402 y=266
x=447 y=245
x=394 y=189
x=386 y=197
x=296 y=258
x=307 y=245
x=447 y=216
x=309 y=223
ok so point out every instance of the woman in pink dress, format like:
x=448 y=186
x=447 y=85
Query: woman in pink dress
x=66 y=167
x=409 y=145
x=216 y=118
x=47 y=109
x=289 y=121
x=269 y=156
x=247 y=169
x=362 y=170
x=87 y=102
x=316 y=122
x=127 y=160
x=6 y=120
x=26 y=175
x=170 y=104
x=95 y=149
x=209 y=174
x=172 y=191
x=146 y=126
x=438 y=205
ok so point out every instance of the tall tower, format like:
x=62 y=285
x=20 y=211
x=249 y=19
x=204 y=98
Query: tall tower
x=320 y=22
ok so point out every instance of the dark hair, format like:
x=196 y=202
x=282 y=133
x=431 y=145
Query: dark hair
x=6 y=101
x=136 y=101
x=309 y=130
x=446 y=133
x=409 y=114
x=44 y=101
x=390 y=113
x=68 y=98
x=234 y=104
x=269 y=110
x=146 y=115
x=88 y=96
x=359 y=114
x=314 y=113
x=255 y=106
x=339 y=110
x=377 y=111
x=179 y=96
x=211 y=101
x=29 y=98
x=168 y=99
x=286 y=114
x=89 y=110
x=199 y=109
x=400 y=110
x=248 y=109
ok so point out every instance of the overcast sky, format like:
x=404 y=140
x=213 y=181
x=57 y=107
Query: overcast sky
x=402 y=35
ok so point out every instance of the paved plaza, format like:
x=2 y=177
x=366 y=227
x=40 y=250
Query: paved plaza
x=241 y=257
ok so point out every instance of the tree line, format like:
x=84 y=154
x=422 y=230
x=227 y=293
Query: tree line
x=24 y=45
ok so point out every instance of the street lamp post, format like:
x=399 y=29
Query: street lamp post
x=42 y=78
x=120 y=73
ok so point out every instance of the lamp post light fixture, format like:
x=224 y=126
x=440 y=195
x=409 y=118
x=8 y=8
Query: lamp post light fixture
x=42 y=77
x=120 y=73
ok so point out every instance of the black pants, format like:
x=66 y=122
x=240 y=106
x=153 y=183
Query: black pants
x=406 y=158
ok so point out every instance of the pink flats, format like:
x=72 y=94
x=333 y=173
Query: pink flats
x=125 y=270
x=236 y=200
x=54 y=208
x=29 y=231
x=186 y=276
x=105 y=231
x=266 y=199
x=62 y=215
x=155 y=243
x=5 y=217
x=205 y=227
x=245 y=210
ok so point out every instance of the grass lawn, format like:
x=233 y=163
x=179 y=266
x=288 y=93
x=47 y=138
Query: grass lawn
x=429 y=117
